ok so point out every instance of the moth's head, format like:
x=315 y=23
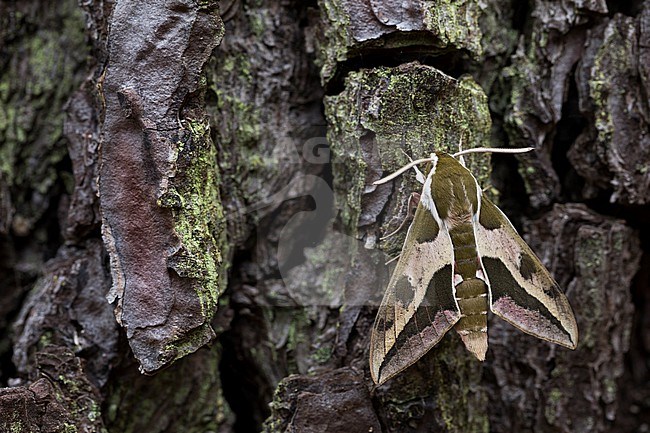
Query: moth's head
x=445 y=160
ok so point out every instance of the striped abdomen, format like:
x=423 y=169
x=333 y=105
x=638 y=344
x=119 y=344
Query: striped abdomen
x=471 y=292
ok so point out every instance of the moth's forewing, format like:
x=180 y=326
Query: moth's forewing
x=522 y=291
x=418 y=307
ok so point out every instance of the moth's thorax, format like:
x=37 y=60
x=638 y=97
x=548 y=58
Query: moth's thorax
x=452 y=190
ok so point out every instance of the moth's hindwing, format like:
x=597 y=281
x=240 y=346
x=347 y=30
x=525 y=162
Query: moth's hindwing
x=522 y=291
x=418 y=307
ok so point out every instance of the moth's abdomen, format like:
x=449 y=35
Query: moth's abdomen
x=471 y=295
x=471 y=292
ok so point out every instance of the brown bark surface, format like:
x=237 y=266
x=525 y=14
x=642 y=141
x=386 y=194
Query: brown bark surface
x=186 y=191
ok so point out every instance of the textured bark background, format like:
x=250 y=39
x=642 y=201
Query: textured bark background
x=186 y=192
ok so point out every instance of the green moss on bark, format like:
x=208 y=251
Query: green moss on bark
x=349 y=30
x=139 y=403
x=455 y=23
x=40 y=74
x=412 y=108
x=199 y=220
x=612 y=60
x=241 y=127
x=334 y=45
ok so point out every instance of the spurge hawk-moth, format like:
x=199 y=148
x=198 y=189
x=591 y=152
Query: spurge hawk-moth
x=462 y=256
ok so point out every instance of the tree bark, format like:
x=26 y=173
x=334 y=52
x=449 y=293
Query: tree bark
x=186 y=191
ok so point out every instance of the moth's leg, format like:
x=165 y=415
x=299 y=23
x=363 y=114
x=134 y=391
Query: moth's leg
x=419 y=176
x=392 y=260
x=413 y=202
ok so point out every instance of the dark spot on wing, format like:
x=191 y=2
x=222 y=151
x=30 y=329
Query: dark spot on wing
x=439 y=292
x=404 y=292
x=528 y=266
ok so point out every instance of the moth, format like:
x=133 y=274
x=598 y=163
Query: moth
x=462 y=256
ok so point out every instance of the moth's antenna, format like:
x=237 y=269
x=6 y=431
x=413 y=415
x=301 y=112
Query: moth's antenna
x=460 y=151
x=492 y=150
x=455 y=155
x=403 y=169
